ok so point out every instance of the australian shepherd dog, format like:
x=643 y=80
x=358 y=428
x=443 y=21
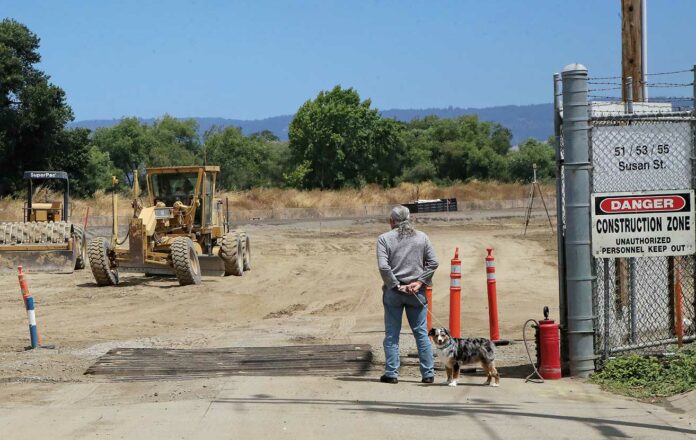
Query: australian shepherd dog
x=453 y=351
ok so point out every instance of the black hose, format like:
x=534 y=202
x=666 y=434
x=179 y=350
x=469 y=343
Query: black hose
x=529 y=356
x=124 y=239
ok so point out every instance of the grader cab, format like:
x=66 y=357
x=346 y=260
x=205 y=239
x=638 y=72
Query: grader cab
x=183 y=231
x=45 y=240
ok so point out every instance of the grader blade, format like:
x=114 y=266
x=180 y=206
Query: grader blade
x=211 y=266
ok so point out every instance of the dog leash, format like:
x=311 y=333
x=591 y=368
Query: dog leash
x=437 y=321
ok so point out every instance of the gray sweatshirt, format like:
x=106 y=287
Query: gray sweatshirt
x=405 y=260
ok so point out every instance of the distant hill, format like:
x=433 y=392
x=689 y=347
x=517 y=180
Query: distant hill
x=525 y=121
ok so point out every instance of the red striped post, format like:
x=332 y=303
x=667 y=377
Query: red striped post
x=492 y=296
x=455 y=295
x=429 y=300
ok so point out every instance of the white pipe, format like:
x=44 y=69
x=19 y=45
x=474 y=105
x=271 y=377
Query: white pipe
x=644 y=46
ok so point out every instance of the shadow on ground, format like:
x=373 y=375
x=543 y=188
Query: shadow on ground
x=474 y=408
x=139 y=280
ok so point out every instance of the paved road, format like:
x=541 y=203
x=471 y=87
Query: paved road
x=331 y=408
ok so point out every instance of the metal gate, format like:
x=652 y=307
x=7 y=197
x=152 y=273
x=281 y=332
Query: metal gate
x=639 y=305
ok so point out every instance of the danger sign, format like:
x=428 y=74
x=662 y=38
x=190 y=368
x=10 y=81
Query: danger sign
x=645 y=224
x=614 y=205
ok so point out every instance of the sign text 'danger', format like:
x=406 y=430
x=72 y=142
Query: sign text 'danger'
x=643 y=204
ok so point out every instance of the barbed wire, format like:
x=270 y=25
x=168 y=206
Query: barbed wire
x=671 y=98
x=647 y=74
x=603 y=77
x=670 y=73
x=604 y=83
x=649 y=84
x=605 y=89
x=658 y=98
x=668 y=84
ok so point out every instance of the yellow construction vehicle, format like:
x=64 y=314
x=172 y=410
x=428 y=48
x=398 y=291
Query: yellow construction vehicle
x=183 y=231
x=46 y=240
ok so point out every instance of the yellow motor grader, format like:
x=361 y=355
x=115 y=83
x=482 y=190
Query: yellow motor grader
x=46 y=240
x=183 y=231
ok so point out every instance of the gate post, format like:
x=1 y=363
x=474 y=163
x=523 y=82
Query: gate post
x=578 y=264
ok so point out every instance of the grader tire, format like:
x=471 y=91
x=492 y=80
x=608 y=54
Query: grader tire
x=232 y=254
x=185 y=261
x=80 y=245
x=100 y=262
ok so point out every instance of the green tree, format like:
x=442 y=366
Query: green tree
x=265 y=136
x=175 y=142
x=532 y=152
x=127 y=144
x=338 y=140
x=501 y=139
x=455 y=149
x=245 y=162
x=33 y=111
x=89 y=168
x=132 y=144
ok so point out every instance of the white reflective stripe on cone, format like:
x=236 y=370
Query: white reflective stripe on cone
x=456 y=269
x=490 y=263
x=455 y=282
x=490 y=276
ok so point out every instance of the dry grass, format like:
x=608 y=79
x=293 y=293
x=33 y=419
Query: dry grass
x=100 y=205
x=278 y=198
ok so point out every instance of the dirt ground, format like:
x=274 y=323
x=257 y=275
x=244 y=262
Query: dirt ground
x=310 y=283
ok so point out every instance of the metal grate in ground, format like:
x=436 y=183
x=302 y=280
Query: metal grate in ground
x=132 y=364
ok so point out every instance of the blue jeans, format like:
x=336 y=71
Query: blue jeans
x=394 y=304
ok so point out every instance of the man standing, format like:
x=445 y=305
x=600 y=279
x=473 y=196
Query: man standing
x=407 y=262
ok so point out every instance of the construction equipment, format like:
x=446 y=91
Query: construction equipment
x=46 y=240
x=182 y=232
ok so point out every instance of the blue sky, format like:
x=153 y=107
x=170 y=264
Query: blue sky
x=254 y=59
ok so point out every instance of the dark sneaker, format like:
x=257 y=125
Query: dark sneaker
x=387 y=379
x=430 y=379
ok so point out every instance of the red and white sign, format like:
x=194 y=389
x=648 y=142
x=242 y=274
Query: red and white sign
x=644 y=224
x=659 y=203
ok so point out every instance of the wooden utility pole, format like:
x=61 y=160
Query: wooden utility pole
x=632 y=47
x=632 y=65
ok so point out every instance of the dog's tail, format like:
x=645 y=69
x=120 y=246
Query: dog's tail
x=487 y=350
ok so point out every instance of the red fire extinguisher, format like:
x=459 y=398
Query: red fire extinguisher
x=548 y=348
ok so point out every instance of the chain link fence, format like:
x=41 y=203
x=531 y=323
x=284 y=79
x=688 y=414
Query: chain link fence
x=635 y=299
x=634 y=303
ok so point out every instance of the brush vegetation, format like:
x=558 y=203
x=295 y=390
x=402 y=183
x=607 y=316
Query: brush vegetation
x=648 y=377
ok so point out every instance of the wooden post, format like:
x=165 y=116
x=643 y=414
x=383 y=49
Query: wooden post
x=631 y=47
x=671 y=292
x=678 y=313
x=631 y=66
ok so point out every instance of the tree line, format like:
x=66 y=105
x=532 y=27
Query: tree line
x=336 y=140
